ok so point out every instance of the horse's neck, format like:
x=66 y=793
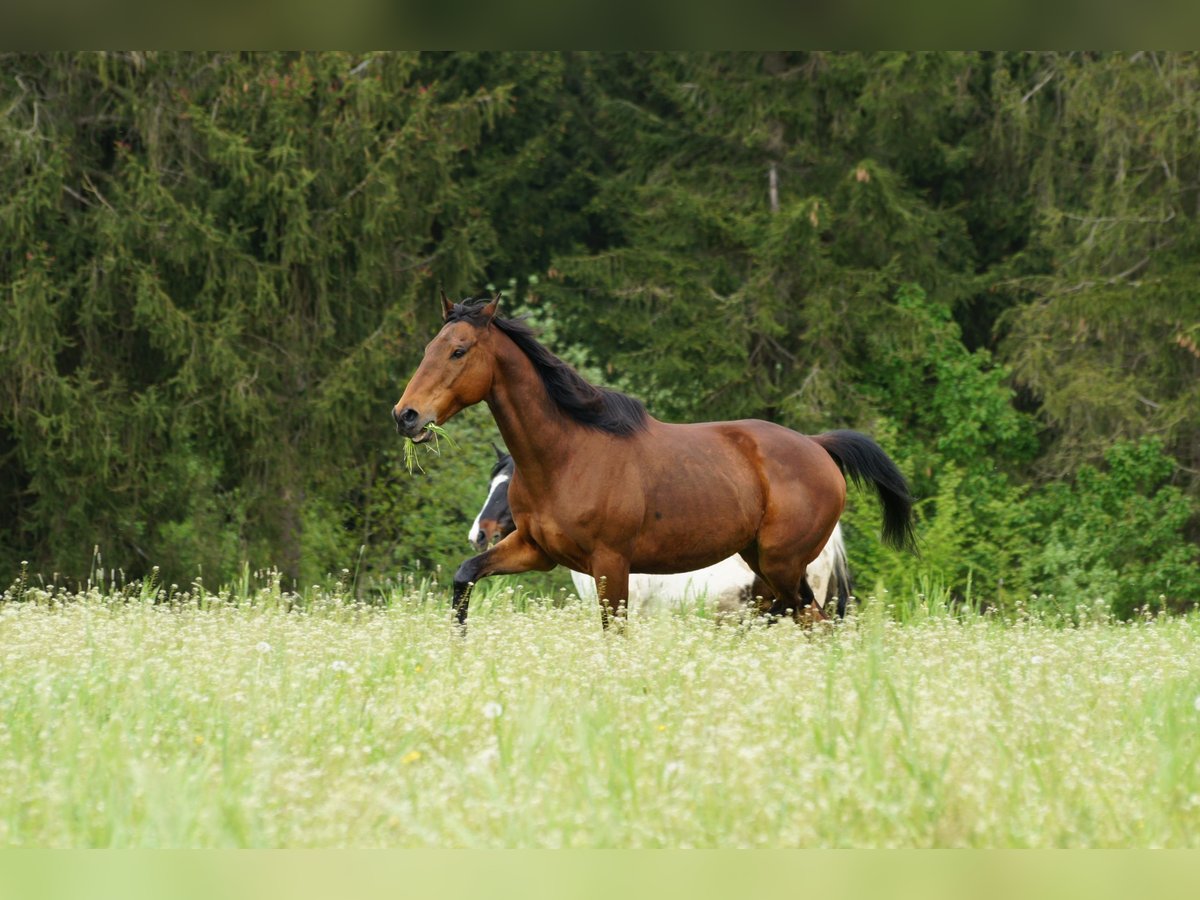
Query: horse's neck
x=538 y=435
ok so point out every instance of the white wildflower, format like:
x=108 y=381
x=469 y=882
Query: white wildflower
x=492 y=710
x=262 y=647
x=485 y=759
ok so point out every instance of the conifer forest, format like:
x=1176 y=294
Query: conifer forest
x=218 y=270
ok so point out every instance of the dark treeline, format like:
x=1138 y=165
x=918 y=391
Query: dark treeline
x=218 y=270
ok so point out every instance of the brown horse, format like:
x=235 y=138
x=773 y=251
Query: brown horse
x=604 y=488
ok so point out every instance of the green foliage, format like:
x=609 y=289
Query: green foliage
x=947 y=417
x=420 y=519
x=945 y=404
x=1104 y=324
x=1116 y=534
x=192 y=526
x=413 y=522
x=219 y=269
x=216 y=267
x=969 y=538
x=530 y=181
x=720 y=296
x=1114 y=537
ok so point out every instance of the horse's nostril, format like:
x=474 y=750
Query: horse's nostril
x=407 y=416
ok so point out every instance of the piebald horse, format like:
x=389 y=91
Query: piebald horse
x=729 y=587
x=603 y=487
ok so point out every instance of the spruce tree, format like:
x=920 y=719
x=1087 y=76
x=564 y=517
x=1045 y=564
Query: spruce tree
x=217 y=272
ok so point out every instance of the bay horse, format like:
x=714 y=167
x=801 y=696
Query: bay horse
x=730 y=586
x=603 y=487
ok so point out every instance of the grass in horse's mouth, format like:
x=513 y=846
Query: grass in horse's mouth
x=432 y=434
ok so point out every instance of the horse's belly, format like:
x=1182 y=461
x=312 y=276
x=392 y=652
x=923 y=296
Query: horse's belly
x=684 y=529
x=665 y=552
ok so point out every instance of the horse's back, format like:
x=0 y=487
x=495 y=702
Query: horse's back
x=772 y=452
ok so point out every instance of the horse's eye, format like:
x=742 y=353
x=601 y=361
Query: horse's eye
x=459 y=353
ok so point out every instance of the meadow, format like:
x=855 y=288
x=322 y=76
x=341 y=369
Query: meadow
x=159 y=717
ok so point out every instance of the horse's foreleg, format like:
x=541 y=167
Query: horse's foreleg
x=611 y=571
x=512 y=555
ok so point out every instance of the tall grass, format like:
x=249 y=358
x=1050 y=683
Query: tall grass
x=159 y=716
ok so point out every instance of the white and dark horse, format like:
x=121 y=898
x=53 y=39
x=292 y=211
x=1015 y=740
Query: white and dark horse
x=729 y=585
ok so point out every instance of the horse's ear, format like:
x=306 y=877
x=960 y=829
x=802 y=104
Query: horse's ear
x=489 y=310
x=447 y=306
x=499 y=452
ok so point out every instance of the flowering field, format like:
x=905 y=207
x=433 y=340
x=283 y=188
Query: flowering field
x=207 y=723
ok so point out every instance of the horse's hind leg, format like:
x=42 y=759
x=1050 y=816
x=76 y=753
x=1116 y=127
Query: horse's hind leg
x=789 y=538
x=784 y=573
x=793 y=597
x=809 y=609
x=758 y=600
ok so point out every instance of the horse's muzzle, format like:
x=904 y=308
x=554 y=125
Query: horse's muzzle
x=411 y=424
x=486 y=535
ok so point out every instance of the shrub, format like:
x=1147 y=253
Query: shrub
x=1116 y=533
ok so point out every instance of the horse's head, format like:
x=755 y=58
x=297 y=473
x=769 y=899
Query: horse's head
x=455 y=373
x=495 y=519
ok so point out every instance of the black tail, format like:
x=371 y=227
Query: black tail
x=841 y=585
x=862 y=460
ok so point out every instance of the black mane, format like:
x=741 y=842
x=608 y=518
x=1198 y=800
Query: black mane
x=596 y=407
